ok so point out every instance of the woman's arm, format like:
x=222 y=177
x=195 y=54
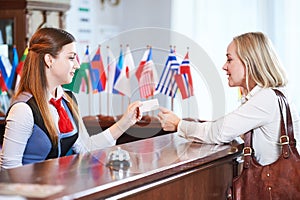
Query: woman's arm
x=129 y=118
x=258 y=111
x=18 y=129
x=108 y=137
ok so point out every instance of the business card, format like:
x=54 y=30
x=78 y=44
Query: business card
x=149 y=105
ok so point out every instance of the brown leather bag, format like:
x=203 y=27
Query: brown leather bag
x=278 y=180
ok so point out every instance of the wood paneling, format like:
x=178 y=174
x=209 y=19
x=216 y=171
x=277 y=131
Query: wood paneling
x=18 y=11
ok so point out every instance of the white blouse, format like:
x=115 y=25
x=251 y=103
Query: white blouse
x=19 y=126
x=260 y=112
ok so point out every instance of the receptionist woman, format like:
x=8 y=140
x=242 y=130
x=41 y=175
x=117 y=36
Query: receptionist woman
x=44 y=121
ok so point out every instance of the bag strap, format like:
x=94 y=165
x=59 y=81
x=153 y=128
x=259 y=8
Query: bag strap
x=290 y=131
x=248 y=149
x=286 y=133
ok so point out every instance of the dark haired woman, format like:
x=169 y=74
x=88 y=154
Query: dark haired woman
x=36 y=129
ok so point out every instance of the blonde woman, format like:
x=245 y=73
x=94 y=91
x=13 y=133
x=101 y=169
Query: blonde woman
x=253 y=65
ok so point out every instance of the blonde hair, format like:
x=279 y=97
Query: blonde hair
x=34 y=80
x=260 y=59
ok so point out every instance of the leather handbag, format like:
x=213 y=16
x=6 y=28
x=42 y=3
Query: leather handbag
x=278 y=180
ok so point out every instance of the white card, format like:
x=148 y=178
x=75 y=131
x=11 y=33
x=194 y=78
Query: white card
x=149 y=105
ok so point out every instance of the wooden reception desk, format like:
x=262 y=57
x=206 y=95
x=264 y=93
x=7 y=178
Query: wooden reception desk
x=148 y=127
x=163 y=167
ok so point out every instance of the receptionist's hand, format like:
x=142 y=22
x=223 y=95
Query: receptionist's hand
x=131 y=116
x=169 y=120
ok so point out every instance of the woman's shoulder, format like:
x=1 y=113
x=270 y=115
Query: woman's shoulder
x=22 y=97
x=267 y=98
x=263 y=98
x=20 y=102
x=270 y=92
x=19 y=110
x=261 y=94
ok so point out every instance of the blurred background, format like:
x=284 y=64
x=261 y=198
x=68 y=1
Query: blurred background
x=203 y=28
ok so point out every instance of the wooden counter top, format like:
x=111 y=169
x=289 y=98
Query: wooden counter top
x=156 y=162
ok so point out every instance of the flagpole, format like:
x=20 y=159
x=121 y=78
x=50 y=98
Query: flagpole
x=128 y=98
x=172 y=99
x=188 y=107
x=100 y=103
x=122 y=105
x=108 y=83
x=90 y=102
x=152 y=112
x=100 y=109
x=129 y=101
x=187 y=49
x=89 y=86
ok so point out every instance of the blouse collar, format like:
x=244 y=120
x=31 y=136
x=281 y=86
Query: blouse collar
x=59 y=93
x=256 y=89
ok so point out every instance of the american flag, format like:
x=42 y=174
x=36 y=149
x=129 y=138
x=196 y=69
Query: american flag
x=146 y=75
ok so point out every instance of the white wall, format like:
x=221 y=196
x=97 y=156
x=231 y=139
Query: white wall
x=210 y=24
x=109 y=26
x=213 y=24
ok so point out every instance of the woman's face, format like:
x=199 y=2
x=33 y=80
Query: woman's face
x=63 y=66
x=234 y=67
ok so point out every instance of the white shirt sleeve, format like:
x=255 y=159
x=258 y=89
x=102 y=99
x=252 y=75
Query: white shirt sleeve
x=260 y=110
x=86 y=143
x=18 y=129
x=260 y=113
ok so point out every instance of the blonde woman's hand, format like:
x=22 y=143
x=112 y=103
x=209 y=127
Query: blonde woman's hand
x=169 y=120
